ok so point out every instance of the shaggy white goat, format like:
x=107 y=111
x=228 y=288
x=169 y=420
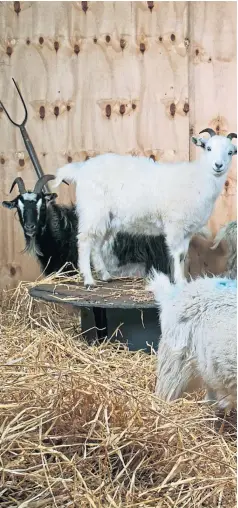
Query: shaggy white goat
x=228 y=234
x=136 y=195
x=198 y=337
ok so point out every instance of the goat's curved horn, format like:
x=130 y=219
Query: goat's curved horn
x=210 y=131
x=41 y=183
x=231 y=135
x=21 y=185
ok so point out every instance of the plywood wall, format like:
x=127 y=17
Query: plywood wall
x=129 y=77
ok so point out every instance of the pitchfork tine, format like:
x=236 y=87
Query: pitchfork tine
x=24 y=105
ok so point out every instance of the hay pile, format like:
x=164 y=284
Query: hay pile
x=80 y=427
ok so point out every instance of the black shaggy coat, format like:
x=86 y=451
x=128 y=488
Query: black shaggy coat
x=56 y=239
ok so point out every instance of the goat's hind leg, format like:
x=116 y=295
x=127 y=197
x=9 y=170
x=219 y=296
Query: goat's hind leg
x=98 y=261
x=178 y=252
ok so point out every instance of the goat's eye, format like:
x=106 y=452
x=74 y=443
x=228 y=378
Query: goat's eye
x=230 y=152
x=209 y=149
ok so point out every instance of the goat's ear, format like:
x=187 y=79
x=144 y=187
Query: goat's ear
x=10 y=204
x=198 y=141
x=51 y=196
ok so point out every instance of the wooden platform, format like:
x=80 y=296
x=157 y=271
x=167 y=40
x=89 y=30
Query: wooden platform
x=120 y=294
x=121 y=308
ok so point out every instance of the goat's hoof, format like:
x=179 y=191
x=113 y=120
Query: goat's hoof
x=90 y=287
x=106 y=277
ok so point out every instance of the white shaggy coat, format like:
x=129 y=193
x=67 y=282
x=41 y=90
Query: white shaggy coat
x=199 y=337
x=136 y=195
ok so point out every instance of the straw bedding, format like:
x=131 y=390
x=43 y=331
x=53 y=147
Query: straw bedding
x=80 y=426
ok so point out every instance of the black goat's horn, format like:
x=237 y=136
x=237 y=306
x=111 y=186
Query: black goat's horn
x=210 y=131
x=41 y=183
x=21 y=185
x=232 y=135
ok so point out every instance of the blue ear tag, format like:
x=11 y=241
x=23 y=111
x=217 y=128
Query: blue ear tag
x=226 y=283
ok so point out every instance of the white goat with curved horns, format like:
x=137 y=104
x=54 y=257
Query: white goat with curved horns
x=136 y=195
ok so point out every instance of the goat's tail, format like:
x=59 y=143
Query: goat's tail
x=159 y=284
x=69 y=172
x=176 y=373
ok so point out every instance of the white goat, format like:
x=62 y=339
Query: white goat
x=198 y=337
x=135 y=195
x=228 y=235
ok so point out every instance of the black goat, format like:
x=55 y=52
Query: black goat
x=49 y=229
x=50 y=232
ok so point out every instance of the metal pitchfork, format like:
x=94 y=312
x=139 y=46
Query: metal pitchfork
x=26 y=138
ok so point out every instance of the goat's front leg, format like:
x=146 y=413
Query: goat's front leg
x=84 y=248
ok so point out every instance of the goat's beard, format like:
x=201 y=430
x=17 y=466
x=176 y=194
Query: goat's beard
x=31 y=247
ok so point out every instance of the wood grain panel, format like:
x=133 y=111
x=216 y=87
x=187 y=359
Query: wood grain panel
x=114 y=76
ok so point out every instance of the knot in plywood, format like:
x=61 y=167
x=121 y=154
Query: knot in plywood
x=172 y=108
x=220 y=125
x=186 y=108
x=142 y=47
x=76 y=49
x=108 y=110
x=122 y=109
x=17 y=7
x=42 y=112
x=56 y=111
x=56 y=46
x=84 y=6
x=9 y=50
x=122 y=43
x=150 y=5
